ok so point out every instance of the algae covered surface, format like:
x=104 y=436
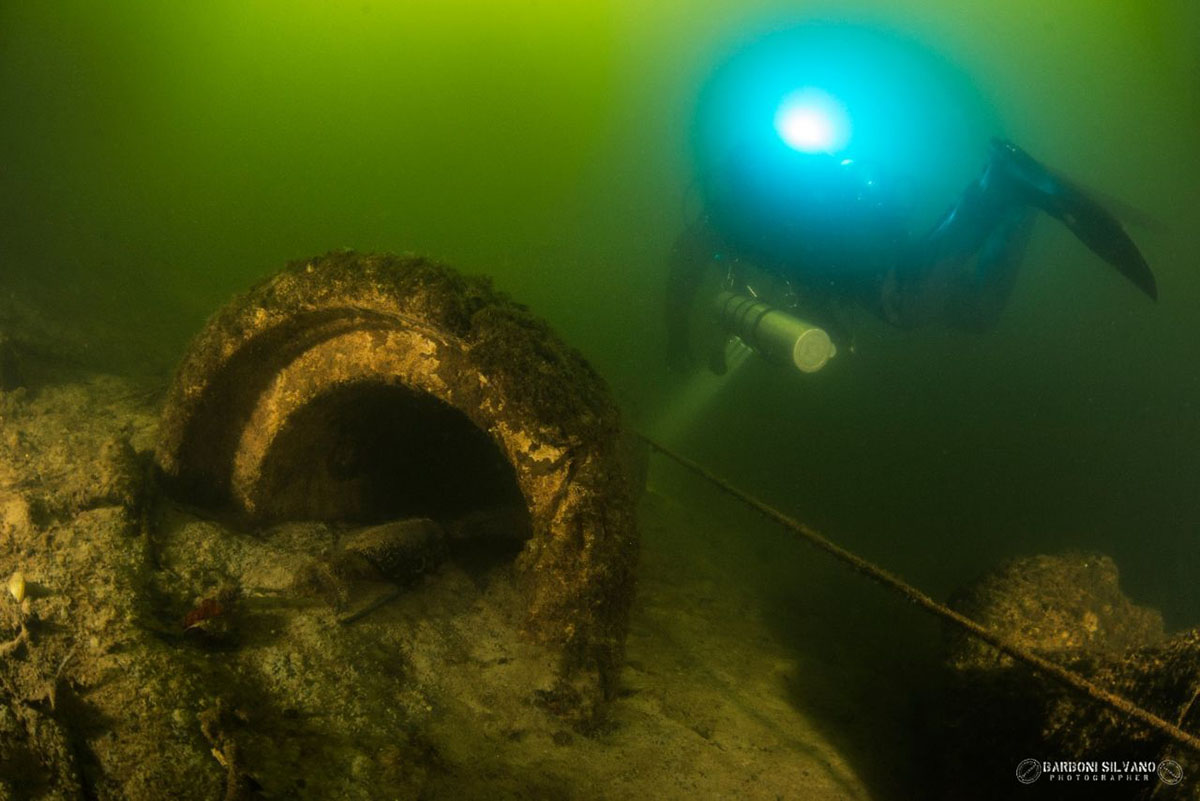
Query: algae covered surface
x=116 y=690
x=367 y=387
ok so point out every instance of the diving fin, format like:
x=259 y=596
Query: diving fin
x=1091 y=223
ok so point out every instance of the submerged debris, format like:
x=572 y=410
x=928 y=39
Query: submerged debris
x=396 y=553
x=438 y=696
x=212 y=617
x=1069 y=609
x=353 y=388
x=1063 y=604
x=16 y=586
x=216 y=724
x=103 y=694
x=402 y=550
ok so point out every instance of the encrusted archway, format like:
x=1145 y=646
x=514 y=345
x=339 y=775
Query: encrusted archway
x=370 y=387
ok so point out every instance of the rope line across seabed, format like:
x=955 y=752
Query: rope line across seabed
x=1067 y=678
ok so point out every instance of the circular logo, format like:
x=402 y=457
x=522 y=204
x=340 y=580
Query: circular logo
x=1029 y=770
x=1170 y=772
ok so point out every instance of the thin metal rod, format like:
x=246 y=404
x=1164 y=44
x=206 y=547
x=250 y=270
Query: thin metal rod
x=1067 y=678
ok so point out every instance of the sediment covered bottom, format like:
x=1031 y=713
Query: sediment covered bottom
x=132 y=685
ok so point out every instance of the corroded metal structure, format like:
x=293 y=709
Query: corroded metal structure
x=363 y=388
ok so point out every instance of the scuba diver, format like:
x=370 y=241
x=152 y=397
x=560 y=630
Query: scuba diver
x=814 y=233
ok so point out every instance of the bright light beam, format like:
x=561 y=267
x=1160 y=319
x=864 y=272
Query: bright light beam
x=812 y=121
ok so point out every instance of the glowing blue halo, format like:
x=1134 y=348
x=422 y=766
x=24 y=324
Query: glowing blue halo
x=812 y=121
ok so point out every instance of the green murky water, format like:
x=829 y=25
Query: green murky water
x=157 y=157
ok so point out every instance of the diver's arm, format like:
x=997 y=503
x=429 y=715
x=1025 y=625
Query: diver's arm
x=985 y=282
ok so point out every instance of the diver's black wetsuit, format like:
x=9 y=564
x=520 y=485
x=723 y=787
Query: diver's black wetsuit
x=960 y=274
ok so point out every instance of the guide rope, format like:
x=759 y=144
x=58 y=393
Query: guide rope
x=1067 y=678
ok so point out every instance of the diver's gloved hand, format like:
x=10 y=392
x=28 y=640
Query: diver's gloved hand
x=1086 y=218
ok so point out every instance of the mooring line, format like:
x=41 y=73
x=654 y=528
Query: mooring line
x=1067 y=678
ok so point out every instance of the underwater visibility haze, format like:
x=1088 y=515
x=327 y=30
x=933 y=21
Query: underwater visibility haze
x=158 y=158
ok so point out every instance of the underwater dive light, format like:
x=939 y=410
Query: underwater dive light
x=812 y=121
x=776 y=335
x=843 y=90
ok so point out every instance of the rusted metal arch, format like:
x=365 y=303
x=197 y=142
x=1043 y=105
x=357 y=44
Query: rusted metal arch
x=346 y=322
